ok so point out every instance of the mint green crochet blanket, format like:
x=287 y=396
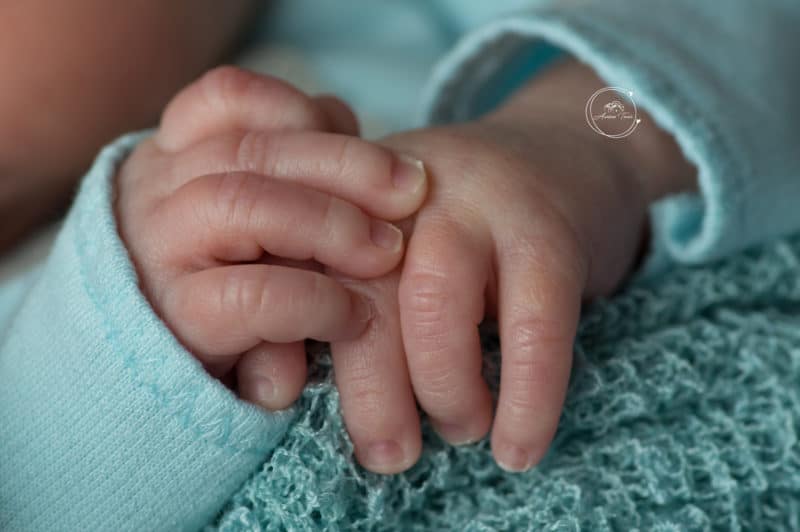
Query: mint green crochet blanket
x=682 y=415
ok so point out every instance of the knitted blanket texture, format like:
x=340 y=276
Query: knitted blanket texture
x=682 y=414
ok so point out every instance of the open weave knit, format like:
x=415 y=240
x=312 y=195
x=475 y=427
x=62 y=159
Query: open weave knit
x=682 y=415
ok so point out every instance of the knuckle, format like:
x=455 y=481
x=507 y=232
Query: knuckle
x=425 y=294
x=225 y=85
x=431 y=360
x=523 y=371
x=436 y=388
x=427 y=298
x=318 y=294
x=235 y=198
x=519 y=405
x=531 y=364
x=431 y=342
x=255 y=152
x=529 y=336
x=344 y=155
x=243 y=296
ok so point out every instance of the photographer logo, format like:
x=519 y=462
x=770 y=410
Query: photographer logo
x=612 y=112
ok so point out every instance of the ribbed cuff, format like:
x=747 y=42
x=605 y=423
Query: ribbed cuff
x=686 y=228
x=108 y=423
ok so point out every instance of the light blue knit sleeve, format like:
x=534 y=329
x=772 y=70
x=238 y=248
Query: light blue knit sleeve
x=106 y=422
x=721 y=76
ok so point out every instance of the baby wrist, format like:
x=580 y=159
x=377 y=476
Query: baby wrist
x=557 y=98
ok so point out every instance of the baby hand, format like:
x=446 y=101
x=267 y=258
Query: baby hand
x=529 y=212
x=232 y=194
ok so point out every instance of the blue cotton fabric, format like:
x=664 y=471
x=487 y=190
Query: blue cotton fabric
x=107 y=423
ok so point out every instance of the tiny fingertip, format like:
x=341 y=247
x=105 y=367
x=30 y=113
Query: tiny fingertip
x=408 y=174
x=386 y=236
x=456 y=434
x=387 y=457
x=263 y=392
x=270 y=398
x=514 y=459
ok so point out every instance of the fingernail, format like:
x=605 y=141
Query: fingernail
x=514 y=459
x=386 y=235
x=384 y=454
x=264 y=391
x=455 y=434
x=408 y=173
